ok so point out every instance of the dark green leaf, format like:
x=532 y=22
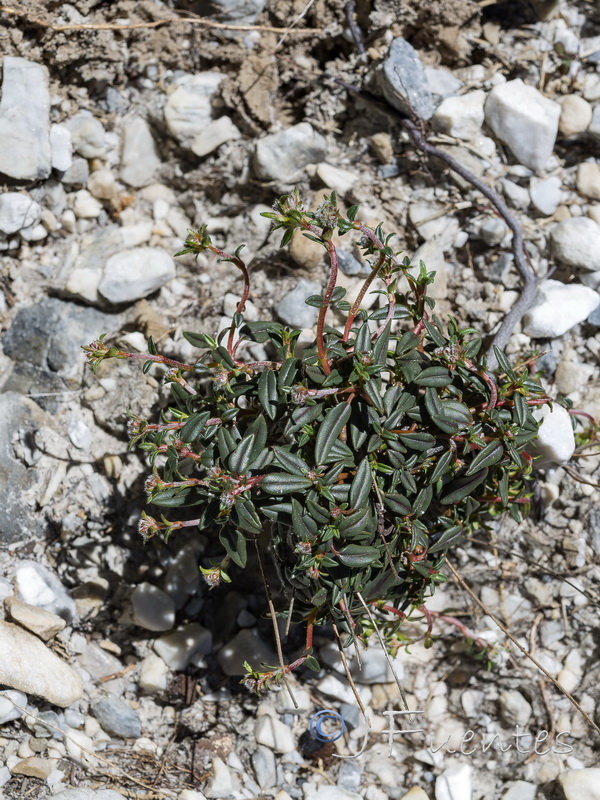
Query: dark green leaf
x=448 y=537
x=200 y=340
x=235 y=545
x=433 y=376
x=417 y=441
x=329 y=431
x=360 y=488
x=356 y=555
x=520 y=408
x=459 y=488
x=442 y=466
x=193 y=427
x=282 y=483
x=290 y=462
x=398 y=504
x=491 y=454
x=267 y=392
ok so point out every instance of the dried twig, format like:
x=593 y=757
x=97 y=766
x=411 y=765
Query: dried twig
x=523 y=649
x=303 y=13
x=356 y=32
x=157 y=23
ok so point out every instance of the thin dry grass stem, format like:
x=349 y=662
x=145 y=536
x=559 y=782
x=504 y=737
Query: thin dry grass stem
x=520 y=647
x=387 y=655
x=348 y=673
x=151 y=789
x=303 y=13
x=289 y=619
x=157 y=23
x=579 y=478
x=274 y=621
x=543 y=568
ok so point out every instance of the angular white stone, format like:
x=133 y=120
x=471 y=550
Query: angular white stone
x=62 y=147
x=139 y=159
x=342 y=180
x=214 y=135
x=454 y=783
x=85 y=205
x=581 y=784
x=525 y=120
x=8 y=708
x=279 y=155
x=514 y=708
x=274 y=734
x=556 y=442
x=87 y=135
x=152 y=608
x=38 y=586
x=24 y=120
x=546 y=194
x=28 y=665
x=575 y=116
x=153 y=674
x=559 y=307
x=576 y=242
x=588 y=179
x=133 y=274
x=220 y=783
x=43 y=623
x=461 y=116
x=189 y=109
x=18 y=211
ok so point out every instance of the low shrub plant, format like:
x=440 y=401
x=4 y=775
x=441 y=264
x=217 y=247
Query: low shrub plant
x=362 y=458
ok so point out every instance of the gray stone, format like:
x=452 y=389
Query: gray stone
x=98 y=663
x=36 y=585
x=18 y=211
x=117 y=717
x=525 y=120
x=265 y=766
x=349 y=264
x=352 y=716
x=8 y=708
x=517 y=196
x=520 y=790
x=245 y=646
x=152 y=608
x=184 y=646
x=43 y=623
x=77 y=174
x=133 y=274
x=18 y=521
x=403 y=78
x=281 y=155
x=87 y=135
x=215 y=133
x=546 y=194
x=49 y=335
x=350 y=775
x=139 y=159
x=24 y=120
x=593 y=529
x=293 y=311
x=576 y=242
x=62 y=148
x=244 y=12
x=28 y=665
x=514 y=708
x=85 y=277
x=558 y=308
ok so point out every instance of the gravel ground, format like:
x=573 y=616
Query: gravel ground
x=119 y=132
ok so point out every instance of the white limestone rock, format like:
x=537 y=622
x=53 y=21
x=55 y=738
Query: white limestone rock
x=154 y=674
x=220 y=783
x=62 y=147
x=136 y=273
x=18 y=211
x=9 y=700
x=272 y=733
x=546 y=194
x=556 y=442
x=575 y=115
x=278 y=156
x=184 y=645
x=576 y=242
x=453 y=783
x=341 y=180
x=581 y=784
x=514 y=708
x=188 y=109
x=43 y=623
x=25 y=153
x=525 y=120
x=26 y=664
x=87 y=135
x=214 y=134
x=402 y=78
x=558 y=308
x=461 y=116
x=139 y=159
x=38 y=586
x=588 y=180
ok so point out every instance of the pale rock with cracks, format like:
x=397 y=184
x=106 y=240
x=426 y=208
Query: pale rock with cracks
x=279 y=156
x=215 y=133
x=454 y=782
x=139 y=159
x=526 y=121
x=36 y=585
x=588 y=180
x=62 y=147
x=87 y=135
x=341 y=180
x=189 y=107
x=43 y=623
x=152 y=608
x=26 y=664
x=272 y=733
x=581 y=784
x=462 y=116
x=25 y=154
x=18 y=211
x=575 y=115
x=556 y=442
x=558 y=308
x=576 y=243
x=220 y=784
x=546 y=194
x=136 y=273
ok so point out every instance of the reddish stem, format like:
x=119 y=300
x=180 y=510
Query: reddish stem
x=157 y=359
x=323 y=310
x=356 y=306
